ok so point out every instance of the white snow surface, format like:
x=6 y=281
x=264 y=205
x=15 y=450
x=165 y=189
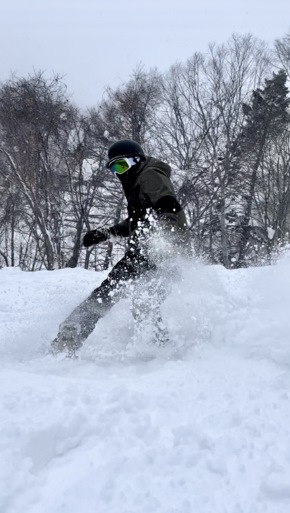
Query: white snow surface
x=201 y=426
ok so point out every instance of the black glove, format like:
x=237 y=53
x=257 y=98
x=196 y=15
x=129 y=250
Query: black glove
x=96 y=236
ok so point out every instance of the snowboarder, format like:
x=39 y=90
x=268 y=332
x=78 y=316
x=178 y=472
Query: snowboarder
x=152 y=205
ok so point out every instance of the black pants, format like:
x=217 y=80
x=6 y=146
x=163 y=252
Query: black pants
x=131 y=266
x=81 y=322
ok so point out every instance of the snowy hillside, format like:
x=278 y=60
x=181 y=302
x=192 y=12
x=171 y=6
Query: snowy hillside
x=202 y=426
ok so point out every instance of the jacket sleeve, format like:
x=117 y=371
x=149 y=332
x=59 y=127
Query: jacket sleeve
x=120 y=229
x=158 y=189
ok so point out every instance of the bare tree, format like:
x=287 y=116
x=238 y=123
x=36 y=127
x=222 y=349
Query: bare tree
x=271 y=211
x=129 y=111
x=33 y=112
x=199 y=123
x=282 y=48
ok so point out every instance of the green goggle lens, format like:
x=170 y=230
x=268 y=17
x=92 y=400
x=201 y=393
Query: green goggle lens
x=120 y=166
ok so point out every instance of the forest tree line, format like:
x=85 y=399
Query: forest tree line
x=221 y=120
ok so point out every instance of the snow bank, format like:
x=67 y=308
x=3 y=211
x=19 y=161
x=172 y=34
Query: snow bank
x=199 y=426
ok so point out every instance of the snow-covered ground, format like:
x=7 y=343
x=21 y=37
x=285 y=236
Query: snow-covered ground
x=202 y=426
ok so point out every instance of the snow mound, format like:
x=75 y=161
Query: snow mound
x=198 y=426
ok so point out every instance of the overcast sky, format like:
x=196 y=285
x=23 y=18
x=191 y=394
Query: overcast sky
x=95 y=43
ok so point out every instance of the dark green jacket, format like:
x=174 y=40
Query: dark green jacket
x=148 y=188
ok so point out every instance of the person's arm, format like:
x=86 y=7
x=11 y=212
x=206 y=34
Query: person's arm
x=158 y=189
x=167 y=209
x=121 y=229
x=102 y=234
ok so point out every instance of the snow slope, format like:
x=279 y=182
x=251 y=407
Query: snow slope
x=202 y=426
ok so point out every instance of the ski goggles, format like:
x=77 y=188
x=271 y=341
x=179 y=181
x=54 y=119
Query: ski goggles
x=120 y=166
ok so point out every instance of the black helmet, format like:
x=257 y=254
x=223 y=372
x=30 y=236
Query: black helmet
x=125 y=148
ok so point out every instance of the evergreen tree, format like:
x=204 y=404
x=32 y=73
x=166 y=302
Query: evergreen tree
x=266 y=117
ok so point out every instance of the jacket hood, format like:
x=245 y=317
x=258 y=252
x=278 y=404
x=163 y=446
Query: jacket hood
x=127 y=179
x=153 y=162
